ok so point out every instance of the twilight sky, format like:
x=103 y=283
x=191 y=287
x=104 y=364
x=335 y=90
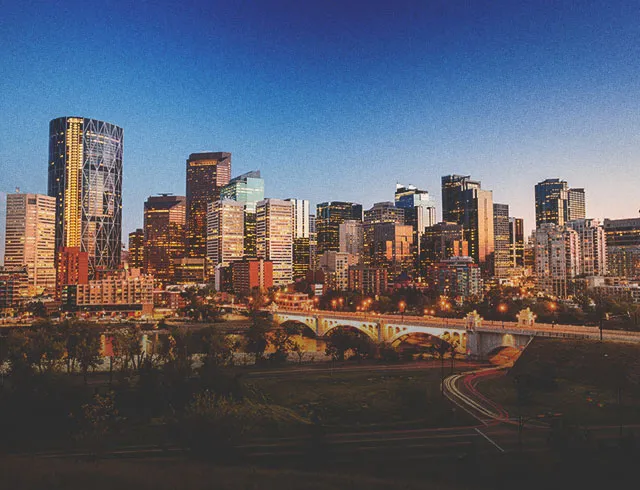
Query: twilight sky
x=335 y=100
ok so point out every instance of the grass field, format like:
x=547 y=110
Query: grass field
x=588 y=382
x=348 y=400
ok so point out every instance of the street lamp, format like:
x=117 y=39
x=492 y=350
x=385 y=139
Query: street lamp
x=502 y=308
x=333 y=303
x=401 y=306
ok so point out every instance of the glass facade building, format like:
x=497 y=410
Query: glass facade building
x=85 y=177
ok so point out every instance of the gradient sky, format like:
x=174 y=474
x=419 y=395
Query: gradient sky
x=335 y=100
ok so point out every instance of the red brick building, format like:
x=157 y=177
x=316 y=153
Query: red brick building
x=249 y=274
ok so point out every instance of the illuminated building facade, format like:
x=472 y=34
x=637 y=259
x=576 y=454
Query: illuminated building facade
x=351 y=237
x=207 y=174
x=502 y=261
x=593 y=246
x=274 y=237
x=251 y=274
x=301 y=243
x=329 y=215
x=557 y=259
x=516 y=241
x=136 y=249
x=336 y=269
x=440 y=242
x=73 y=267
x=164 y=235
x=225 y=232
x=85 y=177
x=623 y=247
x=30 y=239
x=557 y=204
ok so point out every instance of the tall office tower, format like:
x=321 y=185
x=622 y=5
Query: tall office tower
x=225 y=232
x=593 y=246
x=516 y=242
x=419 y=212
x=301 y=245
x=30 y=233
x=164 y=235
x=465 y=203
x=207 y=173
x=440 y=242
x=313 y=242
x=552 y=202
x=502 y=263
x=623 y=247
x=351 y=235
x=247 y=188
x=136 y=249
x=274 y=232
x=557 y=259
x=329 y=215
x=453 y=187
x=85 y=177
x=576 y=204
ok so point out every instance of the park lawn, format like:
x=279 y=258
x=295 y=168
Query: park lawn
x=579 y=379
x=347 y=400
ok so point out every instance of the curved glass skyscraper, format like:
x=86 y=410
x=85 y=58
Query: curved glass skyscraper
x=85 y=177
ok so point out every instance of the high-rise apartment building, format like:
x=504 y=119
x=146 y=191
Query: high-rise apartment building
x=225 y=232
x=456 y=277
x=557 y=204
x=516 y=241
x=623 y=247
x=85 y=177
x=248 y=275
x=274 y=232
x=502 y=262
x=164 y=235
x=465 y=203
x=207 y=174
x=593 y=246
x=557 y=259
x=30 y=232
x=329 y=215
x=136 y=249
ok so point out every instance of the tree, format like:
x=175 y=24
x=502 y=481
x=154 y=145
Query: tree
x=87 y=351
x=98 y=419
x=257 y=341
x=282 y=341
x=341 y=341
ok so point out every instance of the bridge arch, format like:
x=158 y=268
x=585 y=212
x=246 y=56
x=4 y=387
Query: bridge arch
x=305 y=329
x=368 y=328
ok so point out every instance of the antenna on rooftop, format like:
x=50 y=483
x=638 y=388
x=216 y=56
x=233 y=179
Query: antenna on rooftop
x=17 y=190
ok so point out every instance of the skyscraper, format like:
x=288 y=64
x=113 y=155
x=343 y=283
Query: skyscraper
x=225 y=232
x=164 y=240
x=136 y=249
x=274 y=234
x=516 y=241
x=329 y=215
x=453 y=187
x=502 y=262
x=248 y=189
x=465 y=203
x=351 y=237
x=440 y=242
x=207 y=173
x=577 y=204
x=301 y=246
x=30 y=239
x=85 y=177
x=557 y=204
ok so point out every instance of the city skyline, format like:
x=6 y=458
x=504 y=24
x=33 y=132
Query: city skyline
x=509 y=94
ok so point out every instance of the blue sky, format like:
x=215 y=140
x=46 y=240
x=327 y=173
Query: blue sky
x=333 y=101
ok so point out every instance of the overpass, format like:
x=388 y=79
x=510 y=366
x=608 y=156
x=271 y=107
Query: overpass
x=474 y=336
